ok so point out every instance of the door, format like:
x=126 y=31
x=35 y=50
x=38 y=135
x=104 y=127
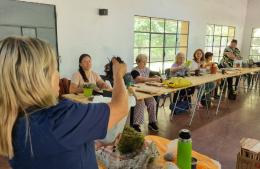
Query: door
x=28 y=19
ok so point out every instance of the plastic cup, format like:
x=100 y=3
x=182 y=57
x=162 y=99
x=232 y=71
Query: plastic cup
x=88 y=92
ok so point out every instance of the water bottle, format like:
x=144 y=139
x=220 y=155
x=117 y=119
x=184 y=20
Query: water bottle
x=184 y=149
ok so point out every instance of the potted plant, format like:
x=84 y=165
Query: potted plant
x=88 y=89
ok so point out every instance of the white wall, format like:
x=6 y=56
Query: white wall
x=252 y=21
x=82 y=30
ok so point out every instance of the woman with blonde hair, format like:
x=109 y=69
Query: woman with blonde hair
x=178 y=68
x=36 y=130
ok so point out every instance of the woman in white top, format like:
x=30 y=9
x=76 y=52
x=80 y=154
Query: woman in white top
x=86 y=75
x=198 y=60
x=197 y=63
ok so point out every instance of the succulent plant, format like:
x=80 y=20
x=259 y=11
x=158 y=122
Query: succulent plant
x=131 y=141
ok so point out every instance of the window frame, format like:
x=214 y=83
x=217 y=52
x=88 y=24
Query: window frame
x=251 y=46
x=221 y=36
x=176 y=47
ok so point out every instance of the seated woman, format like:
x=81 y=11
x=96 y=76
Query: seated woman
x=208 y=65
x=140 y=74
x=39 y=131
x=198 y=63
x=208 y=60
x=86 y=75
x=178 y=69
x=109 y=73
x=198 y=60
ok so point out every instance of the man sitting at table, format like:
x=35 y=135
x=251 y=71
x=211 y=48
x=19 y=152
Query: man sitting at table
x=141 y=74
x=231 y=53
x=86 y=75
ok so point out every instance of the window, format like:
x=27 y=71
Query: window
x=160 y=39
x=217 y=38
x=255 y=45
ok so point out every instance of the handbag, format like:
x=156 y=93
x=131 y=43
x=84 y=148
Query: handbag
x=182 y=106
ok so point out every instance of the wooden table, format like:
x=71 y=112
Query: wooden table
x=200 y=81
x=195 y=80
x=204 y=162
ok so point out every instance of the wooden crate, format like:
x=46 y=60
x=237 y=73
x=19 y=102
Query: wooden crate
x=247 y=163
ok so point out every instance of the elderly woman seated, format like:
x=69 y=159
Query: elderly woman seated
x=141 y=74
x=179 y=69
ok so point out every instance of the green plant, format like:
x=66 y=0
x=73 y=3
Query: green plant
x=188 y=63
x=89 y=85
x=131 y=141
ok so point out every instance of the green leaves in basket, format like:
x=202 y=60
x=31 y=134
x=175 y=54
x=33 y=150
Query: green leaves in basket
x=131 y=141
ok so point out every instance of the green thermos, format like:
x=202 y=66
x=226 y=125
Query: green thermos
x=184 y=149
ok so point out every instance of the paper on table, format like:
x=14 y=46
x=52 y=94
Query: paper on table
x=147 y=89
x=119 y=127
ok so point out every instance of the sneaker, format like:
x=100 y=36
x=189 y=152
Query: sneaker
x=153 y=126
x=232 y=96
x=217 y=97
x=137 y=128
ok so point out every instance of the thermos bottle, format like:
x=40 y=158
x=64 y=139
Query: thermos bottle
x=184 y=149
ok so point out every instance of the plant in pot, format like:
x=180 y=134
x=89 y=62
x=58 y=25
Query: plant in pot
x=88 y=89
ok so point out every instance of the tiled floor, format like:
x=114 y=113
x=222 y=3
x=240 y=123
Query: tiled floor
x=219 y=136
x=215 y=136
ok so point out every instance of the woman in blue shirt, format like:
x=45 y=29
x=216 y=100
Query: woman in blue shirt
x=37 y=131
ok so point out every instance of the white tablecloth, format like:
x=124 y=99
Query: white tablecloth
x=119 y=127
